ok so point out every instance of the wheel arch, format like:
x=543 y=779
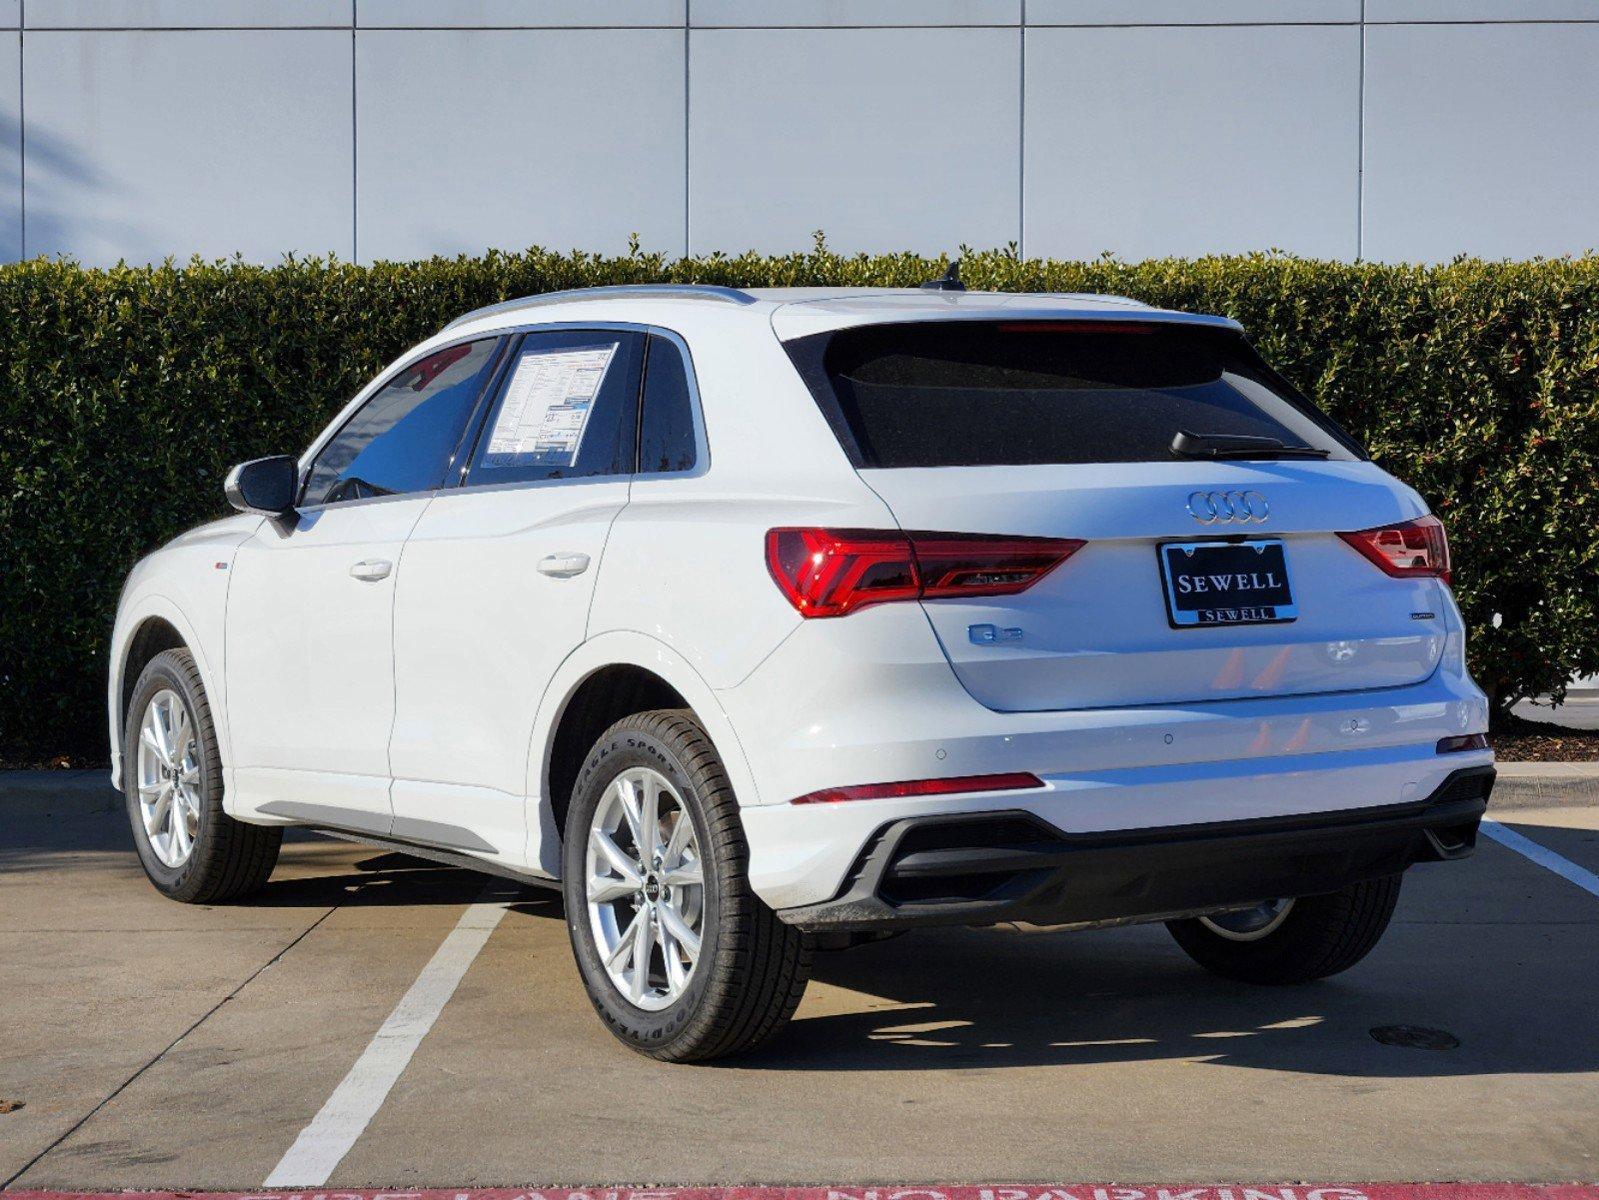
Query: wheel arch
x=154 y=624
x=605 y=679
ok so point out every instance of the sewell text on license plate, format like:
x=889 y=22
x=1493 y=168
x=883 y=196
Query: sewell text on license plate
x=1226 y=583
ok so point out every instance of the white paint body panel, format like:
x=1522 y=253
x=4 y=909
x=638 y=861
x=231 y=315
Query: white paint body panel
x=433 y=697
x=1094 y=632
x=311 y=672
x=478 y=632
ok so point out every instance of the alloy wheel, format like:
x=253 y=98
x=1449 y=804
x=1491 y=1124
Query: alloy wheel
x=645 y=885
x=169 y=778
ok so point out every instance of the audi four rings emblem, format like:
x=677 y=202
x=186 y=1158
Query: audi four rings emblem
x=1224 y=508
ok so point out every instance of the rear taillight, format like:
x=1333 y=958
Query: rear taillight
x=1411 y=549
x=1462 y=742
x=1011 y=781
x=831 y=572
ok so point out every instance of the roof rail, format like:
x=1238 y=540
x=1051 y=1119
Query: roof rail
x=683 y=291
x=1111 y=297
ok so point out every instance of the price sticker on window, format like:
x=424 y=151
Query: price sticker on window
x=547 y=406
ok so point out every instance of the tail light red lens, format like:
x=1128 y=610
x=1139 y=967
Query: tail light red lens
x=832 y=572
x=1412 y=549
x=1012 y=781
x=1463 y=742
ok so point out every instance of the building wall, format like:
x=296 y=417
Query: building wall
x=1385 y=129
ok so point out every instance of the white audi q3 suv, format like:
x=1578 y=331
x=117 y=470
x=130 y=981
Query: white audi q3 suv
x=761 y=622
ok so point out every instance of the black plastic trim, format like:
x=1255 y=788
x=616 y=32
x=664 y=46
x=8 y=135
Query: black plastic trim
x=414 y=830
x=1011 y=865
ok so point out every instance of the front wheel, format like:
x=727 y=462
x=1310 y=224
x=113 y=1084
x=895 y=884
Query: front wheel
x=1292 y=941
x=682 y=961
x=172 y=776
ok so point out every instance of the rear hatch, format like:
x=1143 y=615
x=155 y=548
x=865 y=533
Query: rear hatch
x=1212 y=571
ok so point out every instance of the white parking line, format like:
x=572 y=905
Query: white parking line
x=328 y=1138
x=1527 y=848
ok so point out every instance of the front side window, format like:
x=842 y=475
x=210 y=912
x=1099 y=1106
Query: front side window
x=666 y=439
x=979 y=393
x=566 y=409
x=401 y=439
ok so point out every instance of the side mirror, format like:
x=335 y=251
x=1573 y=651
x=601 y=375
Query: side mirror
x=264 y=485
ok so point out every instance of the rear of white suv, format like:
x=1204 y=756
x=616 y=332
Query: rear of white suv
x=1149 y=638
x=765 y=621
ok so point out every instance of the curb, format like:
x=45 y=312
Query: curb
x=80 y=793
x=1362 y=1191
x=1545 y=785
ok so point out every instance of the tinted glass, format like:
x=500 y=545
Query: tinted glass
x=944 y=394
x=566 y=409
x=666 y=425
x=401 y=439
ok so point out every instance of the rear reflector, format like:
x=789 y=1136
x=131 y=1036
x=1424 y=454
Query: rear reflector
x=1012 y=782
x=1465 y=741
x=1411 y=549
x=832 y=572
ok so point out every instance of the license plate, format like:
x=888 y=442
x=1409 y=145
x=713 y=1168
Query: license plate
x=1226 y=583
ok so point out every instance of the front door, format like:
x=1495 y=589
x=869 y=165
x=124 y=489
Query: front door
x=309 y=644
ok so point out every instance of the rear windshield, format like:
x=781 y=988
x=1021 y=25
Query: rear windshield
x=969 y=393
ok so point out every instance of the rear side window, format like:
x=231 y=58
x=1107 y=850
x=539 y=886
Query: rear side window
x=667 y=441
x=402 y=438
x=566 y=408
x=955 y=394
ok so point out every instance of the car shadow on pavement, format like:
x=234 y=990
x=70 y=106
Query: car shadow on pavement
x=395 y=879
x=1017 y=996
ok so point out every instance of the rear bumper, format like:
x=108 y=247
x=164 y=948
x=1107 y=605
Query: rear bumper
x=1010 y=865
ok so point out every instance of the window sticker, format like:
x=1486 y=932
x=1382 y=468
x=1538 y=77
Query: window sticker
x=547 y=406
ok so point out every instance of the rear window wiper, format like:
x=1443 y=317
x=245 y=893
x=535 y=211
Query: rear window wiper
x=1232 y=445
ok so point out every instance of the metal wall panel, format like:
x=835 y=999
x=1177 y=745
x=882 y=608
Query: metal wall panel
x=10 y=147
x=187 y=14
x=855 y=13
x=1160 y=141
x=143 y=145
x=1189 y=12
x=470 y=140
x=1481 y=10
x=526 y=14
x=885 y=139
x=1479 y=139
x=1151 y=126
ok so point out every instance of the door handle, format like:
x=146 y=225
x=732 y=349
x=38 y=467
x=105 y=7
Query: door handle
x=370 y=570
x=564 y=566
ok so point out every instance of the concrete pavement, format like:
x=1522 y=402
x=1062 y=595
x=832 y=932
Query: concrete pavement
x=158 y=1045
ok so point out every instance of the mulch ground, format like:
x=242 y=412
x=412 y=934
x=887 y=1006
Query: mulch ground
x=1518 y=740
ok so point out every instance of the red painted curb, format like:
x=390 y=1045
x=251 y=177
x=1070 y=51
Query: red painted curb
x=1382 y=1191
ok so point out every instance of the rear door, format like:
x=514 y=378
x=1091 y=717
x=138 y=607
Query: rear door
x=1201 y=578
x=496 y=584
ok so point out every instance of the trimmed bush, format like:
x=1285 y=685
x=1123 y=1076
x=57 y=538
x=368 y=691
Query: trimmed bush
x=127 y=393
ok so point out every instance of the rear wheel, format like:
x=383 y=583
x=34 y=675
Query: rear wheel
x=682 y=961
x=172 y=779
x=1292 y=941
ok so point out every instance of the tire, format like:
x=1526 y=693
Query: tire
x=750 y=969
x=1319 y=936
x=225 y=858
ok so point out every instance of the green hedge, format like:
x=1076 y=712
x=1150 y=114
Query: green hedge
x=128 y=392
